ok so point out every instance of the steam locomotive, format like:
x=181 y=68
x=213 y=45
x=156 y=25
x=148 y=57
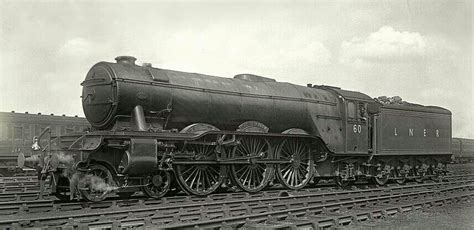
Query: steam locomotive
x=157 y=130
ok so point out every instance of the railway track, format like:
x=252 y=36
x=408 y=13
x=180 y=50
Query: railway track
x=22 y=196
x=46 y=205
x=9 y=186
x=236 y=209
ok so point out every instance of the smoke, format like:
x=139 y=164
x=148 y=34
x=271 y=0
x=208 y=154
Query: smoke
x=64 y=158
x=94 y=183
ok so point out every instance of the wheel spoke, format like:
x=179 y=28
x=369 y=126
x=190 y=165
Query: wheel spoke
x=254 y=176
x=200 y=179
x=98 y=186
x=156 y=191
x=296 y=173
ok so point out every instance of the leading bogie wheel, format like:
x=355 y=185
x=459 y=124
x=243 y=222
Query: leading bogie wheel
x=96 y=184
x=297 y=171
x=200 y=179
x=157 y=185
x=256 y=174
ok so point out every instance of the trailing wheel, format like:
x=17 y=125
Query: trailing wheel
x=342 y=183
x=157 y=185
x=344 y=176
x=96 y=183
x=254 y=175
x=200 y=179
x=298 y=170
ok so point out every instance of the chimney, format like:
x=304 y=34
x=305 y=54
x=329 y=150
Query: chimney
x=146 y=65
x=127 y=60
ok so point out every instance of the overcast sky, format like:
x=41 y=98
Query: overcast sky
x=418 y=50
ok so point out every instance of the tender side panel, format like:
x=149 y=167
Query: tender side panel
x=402 y=132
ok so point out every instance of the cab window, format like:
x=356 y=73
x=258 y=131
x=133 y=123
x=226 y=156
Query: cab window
x=362 y=110
x=351 y=110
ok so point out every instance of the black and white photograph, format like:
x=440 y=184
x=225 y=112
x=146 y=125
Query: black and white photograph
x=236 y=114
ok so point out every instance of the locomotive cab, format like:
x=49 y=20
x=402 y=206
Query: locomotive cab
x=357 y=127
x=356 y=120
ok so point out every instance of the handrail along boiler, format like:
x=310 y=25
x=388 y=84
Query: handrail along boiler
x=153 y=127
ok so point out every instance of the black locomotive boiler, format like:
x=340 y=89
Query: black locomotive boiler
x=157 y=130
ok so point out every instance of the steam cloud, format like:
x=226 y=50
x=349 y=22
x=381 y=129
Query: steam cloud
x=95 y=183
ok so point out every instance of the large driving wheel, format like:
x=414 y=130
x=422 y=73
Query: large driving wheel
x=200 y=179
x=157 y=185
x=96 y=183
x=298 y=170
x=255 y=175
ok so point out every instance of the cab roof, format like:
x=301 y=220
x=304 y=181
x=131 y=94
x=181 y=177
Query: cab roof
x=348 y=94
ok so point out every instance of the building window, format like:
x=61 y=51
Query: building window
x=69 y=129
x=18 y=133
x=9 y=133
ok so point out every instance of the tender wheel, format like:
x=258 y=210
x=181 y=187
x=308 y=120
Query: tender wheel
x=401 y=180
x=401 y=174
x=156 y=186
x=438 y=172
x=382 y=175
x=96 y=183
x=200 y=179
x=381 y=179
x=255 y=175
x=419 y=174
x=297 y=172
